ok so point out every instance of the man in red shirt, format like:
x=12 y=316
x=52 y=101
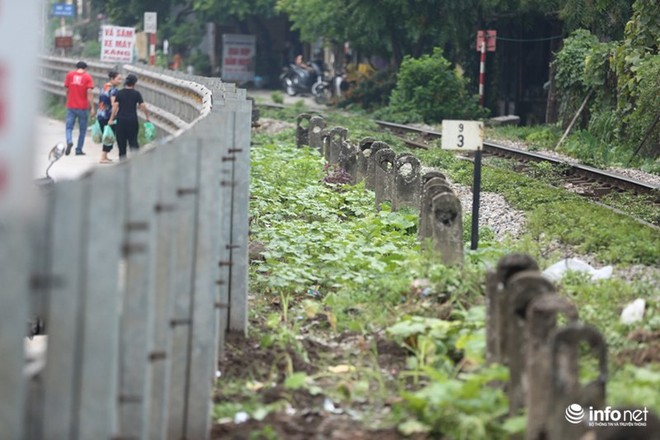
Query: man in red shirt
x=79 y=104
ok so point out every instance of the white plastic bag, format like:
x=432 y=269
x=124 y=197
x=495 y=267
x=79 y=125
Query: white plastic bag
x=633 y=312
x=556 y=271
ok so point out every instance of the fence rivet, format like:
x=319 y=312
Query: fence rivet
x=137 y=226
x=221 y=305
x=161 y=207
x=133 y=248
x=224 y=263
x=229 y=159
x=177 y=322
x=220 y=282
x=232 y=246
x=234 y=150
x=125 y=398
x=45 y=281
x=186 y=191
x=227 y=183
x=157 y=355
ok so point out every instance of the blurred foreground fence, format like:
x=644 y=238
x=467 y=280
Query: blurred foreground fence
x=135 y=271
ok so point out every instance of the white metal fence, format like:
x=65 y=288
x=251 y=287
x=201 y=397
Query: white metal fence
x=137 y=270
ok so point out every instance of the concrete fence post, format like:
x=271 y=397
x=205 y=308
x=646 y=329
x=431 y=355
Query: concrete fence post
x=302 y=129
x=383 y=175
x=497 y=299
x=568 y=396
x=425 y=224
x=428 y=175
x=363 y=152
x=370 y=182
x=336 y=138
x=407 y=182
x=541 y=323
x=316 y=127
x=348 y=160
x=523 y=288
x=447 y=223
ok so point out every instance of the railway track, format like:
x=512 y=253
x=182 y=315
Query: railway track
x=590 y=181
x=584 y=180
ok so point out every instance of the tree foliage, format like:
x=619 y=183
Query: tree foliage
x=625 y=76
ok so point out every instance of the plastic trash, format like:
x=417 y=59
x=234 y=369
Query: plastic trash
x=241 y=417
x=149 y=131
x=97 y=133
x=633 y=312
x=108 y=136
x=556 y=271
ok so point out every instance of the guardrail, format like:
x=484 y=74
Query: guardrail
x=135 y=272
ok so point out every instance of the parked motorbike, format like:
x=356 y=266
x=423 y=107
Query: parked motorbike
x=298 y=80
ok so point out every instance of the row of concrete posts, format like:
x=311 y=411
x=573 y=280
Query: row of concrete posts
x=395 y=178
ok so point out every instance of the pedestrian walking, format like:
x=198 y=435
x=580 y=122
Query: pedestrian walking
x=79 y=105
x=124 y=111
x=106 y=100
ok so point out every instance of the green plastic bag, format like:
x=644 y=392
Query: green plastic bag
x=97 y=133
x=108 y=135
x=149 y=131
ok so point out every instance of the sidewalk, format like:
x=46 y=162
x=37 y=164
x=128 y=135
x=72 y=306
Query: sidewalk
x=51 y=132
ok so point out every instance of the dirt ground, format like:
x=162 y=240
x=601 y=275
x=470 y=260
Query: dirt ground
x=307 y=416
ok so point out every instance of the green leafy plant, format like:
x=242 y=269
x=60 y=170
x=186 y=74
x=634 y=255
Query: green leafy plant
x=277 y=97
x=429 y=90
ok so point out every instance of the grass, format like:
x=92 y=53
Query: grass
x=337 y=271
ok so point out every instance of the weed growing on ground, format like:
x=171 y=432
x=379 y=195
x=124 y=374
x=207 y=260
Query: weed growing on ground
x=337 y=270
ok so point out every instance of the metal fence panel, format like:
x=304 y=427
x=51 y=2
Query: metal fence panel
x=13 y=319
x=138 y=250
x=223 y=254
x=61 y=395
x=238 y=315
x=204 y=318
x=163 y=302
x=101 y=308
x=188 y=161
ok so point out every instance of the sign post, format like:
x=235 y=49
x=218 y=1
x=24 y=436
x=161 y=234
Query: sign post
x=238 y=52
x=151 y=27
x=486 y=41
x=467 y=136
x=117 y=44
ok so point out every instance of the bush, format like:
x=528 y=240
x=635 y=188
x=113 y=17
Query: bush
x=429 y=89
x=647 y=108
x=571 y=82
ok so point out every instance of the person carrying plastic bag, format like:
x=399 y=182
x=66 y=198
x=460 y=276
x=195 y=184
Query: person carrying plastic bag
x=149 y=131
x=124 y=110
x=106 y=100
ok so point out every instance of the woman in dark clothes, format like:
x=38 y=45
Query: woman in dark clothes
x=124 y=112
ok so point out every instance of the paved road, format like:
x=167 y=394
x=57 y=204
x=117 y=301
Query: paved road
x=261 y=95
x=51 y=132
